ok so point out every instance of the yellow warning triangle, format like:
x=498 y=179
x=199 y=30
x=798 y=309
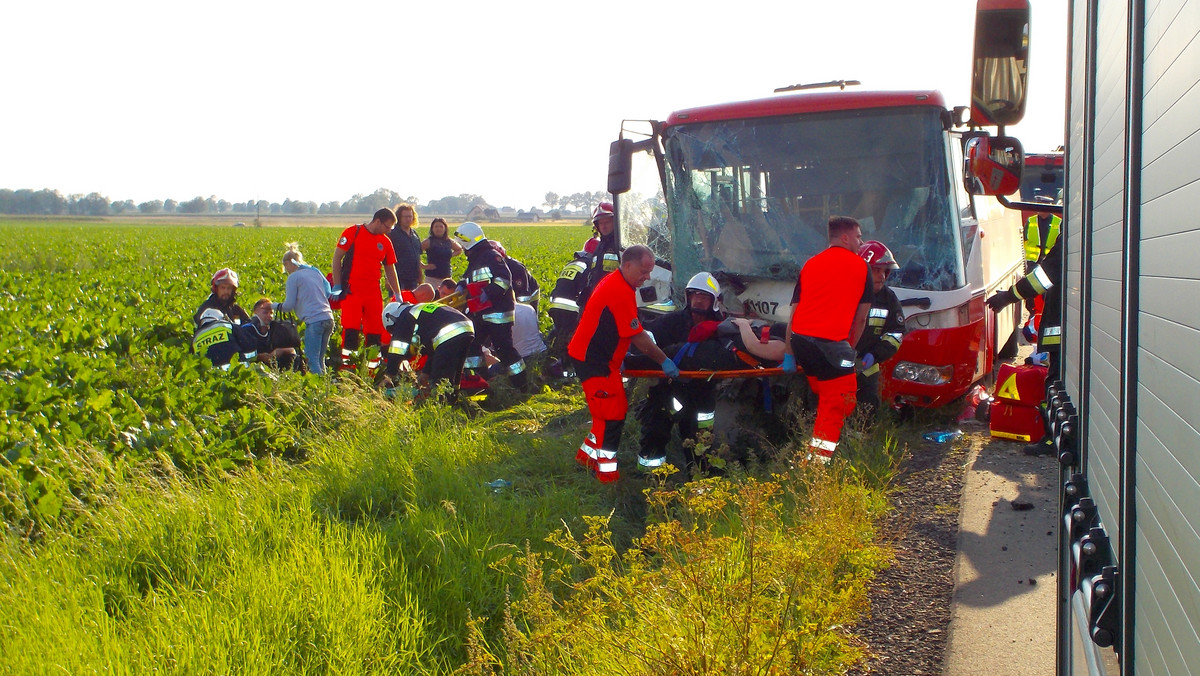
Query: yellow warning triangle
x=1009 y=389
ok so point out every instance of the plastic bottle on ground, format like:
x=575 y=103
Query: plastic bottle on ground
x=942 y=436
x=498 y=485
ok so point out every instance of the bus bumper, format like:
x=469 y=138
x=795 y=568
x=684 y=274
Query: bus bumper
x=935 y=366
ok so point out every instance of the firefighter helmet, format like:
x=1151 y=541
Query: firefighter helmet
x=877 y=255
x=224 y=276
x=590 y=245
x=470 y=233
x=602 y=209
x=702 y=281
x=705 y=283
x=392 y=312
x=211 y=315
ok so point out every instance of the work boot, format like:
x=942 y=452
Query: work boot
x=649 y=460
x=585 y=461
x=1043 y=447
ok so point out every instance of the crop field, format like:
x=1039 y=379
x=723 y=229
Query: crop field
x=163 y=515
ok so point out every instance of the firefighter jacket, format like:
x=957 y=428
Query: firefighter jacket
x=422 y=329
x=1036 y=246
x=1046 y=280
x=578 y=278
x=220 y=341
x=525 y=287
x=605 y=258
x=489 y=285
x=564 y=299
x=884 y=331
x=229 y=308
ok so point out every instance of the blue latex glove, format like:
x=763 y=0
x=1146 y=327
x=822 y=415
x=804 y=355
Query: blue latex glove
x=789 y=363
x=336 y=292
x=868 y=359
x=670 y=369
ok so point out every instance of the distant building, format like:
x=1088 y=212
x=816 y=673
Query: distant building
x=483 y=212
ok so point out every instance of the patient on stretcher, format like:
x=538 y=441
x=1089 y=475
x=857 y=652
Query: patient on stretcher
x=732 y=344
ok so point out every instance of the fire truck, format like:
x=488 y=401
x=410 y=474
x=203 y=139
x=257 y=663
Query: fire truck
x=1123 y=405
x=1042 y=175
x=745 y=190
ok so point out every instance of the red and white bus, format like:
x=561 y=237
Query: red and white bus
x=744 y=190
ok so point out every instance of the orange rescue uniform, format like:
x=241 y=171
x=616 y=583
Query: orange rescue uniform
x=608 y=323
x=362 y=307
x=830 y=288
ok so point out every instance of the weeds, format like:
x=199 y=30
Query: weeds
x=731 y=577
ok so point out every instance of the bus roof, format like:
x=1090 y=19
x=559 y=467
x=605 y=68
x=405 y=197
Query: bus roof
x=810 y=102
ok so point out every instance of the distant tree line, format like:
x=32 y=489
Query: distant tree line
x=580 y=200
x=48 y=202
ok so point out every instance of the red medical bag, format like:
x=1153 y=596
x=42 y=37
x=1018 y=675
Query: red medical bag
x=1024 y=385
x=1016 y=422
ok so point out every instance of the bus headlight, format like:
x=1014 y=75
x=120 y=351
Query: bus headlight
x=923 y=373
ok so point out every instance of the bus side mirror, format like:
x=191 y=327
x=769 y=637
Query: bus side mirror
x=620 y=166
x=1000 y=71
x=992 y=165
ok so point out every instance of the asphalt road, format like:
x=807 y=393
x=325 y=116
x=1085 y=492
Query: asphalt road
x=1003 y=610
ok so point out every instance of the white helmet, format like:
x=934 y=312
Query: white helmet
x=211 y=315
x=392 y=312
x=470 y=233
x=702 y=281
x=223 y=276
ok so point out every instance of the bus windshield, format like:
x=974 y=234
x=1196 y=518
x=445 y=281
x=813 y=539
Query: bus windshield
x=753 y=196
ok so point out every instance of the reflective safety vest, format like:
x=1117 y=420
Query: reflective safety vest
x=1035 y=249
x=425 y=327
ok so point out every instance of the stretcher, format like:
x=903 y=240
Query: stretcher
x=708 y=375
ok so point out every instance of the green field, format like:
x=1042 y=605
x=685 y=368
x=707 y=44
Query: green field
x=162 y=515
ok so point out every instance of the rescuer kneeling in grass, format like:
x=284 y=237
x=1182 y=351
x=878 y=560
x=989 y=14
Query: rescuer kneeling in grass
x=829 y=312
x=438 y=333
x=487 y=284
x=220 y=340
x=224 y=286
x=608 y=324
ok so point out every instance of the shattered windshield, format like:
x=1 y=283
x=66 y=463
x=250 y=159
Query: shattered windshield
x=752 y=197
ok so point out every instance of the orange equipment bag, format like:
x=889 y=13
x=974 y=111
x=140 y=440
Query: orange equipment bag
x=1024 y=385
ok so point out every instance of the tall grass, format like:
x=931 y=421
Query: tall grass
x=385 y=552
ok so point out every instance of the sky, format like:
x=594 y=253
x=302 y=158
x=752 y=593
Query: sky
x=257 y=99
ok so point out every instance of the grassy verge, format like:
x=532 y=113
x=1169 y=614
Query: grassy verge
x=385 y=552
